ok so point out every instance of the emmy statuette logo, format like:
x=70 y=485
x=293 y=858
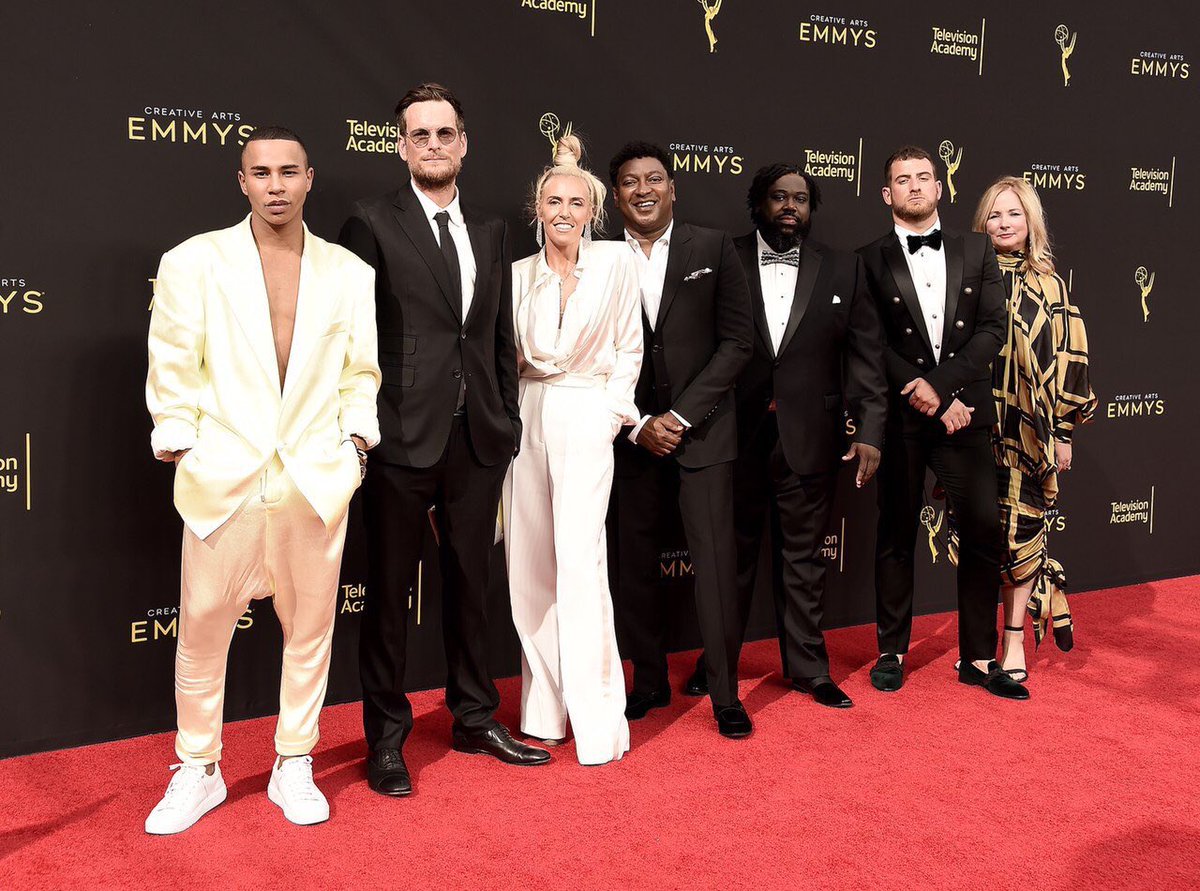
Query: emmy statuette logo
x=551 y=128
x=932 y=521
x=711 y=8
x=1066 y=42
x=946 y=153
x=1144 y=279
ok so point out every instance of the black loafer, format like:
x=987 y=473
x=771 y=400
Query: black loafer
x=387 y=773
x=733 y=722
x=638 y=704
x=824 y=692
x=697 y=684
x=995 y=680
x=498 y=743
x=888 y=674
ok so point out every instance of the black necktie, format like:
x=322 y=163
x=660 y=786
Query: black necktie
x=450 y=254
x=933 y=239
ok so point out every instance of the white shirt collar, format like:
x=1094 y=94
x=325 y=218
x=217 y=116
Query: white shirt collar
x=664 y=239
x=430 y=208
x=901 y=232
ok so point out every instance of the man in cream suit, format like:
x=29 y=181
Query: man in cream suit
x=262 y=383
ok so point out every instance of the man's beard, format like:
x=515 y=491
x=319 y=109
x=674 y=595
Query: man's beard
x=915 y=216
x=781 y=242
x=438 y=179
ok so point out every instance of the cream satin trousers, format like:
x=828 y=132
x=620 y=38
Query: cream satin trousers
x=555 y=502
x=276 y=546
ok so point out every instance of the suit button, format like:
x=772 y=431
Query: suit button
x=958 y=324
x=657 y=348
x=463 y=335
x=966 y=290
x=895 y=300
x=950 y=355
x=457 y=373
x=908 y=330
x=281 y=447
x=920 y=361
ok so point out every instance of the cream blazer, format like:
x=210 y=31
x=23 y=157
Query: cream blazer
x=213 y=381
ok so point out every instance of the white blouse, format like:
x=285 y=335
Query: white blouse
x=601 y=332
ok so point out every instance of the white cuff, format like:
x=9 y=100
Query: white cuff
x=637 y=428
x=682 y=420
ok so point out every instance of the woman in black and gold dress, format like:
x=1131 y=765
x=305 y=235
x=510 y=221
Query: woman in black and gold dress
x=1040 y=381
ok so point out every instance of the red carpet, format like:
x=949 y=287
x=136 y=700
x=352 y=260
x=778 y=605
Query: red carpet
x=1092 y=783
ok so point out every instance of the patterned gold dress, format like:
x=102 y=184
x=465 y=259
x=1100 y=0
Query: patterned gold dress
x=1042 y=391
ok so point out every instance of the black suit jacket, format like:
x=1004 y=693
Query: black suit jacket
x=425 y=348
x=699 y=345
x=974 y=325
x=830 y=360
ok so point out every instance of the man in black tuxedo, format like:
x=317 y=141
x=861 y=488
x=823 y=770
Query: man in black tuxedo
x=942 y=303
x=449 y=425
x=698 y=328
x=818 y=352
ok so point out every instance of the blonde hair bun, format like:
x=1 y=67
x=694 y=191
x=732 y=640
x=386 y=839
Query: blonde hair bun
x=568 y=151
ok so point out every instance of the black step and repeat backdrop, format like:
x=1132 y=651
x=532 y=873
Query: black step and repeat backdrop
x=122 y=125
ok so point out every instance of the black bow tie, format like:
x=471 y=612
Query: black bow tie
x=933 y=239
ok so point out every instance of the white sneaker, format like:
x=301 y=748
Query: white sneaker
x=191 y=794
x=293 y=789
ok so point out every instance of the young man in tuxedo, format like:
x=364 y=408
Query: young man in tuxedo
x=449 y=425
x=942 y=303
x=818 y=352
x=261 y=382
x=697 y=328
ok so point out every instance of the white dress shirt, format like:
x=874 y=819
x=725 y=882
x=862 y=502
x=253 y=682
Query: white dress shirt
x=778 y=282
x=652 y=276
x=928 y=270
x=462 y=241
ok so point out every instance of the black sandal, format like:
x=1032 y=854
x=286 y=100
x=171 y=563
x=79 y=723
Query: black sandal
x=1020 y=675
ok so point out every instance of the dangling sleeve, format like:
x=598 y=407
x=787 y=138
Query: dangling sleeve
x=1075 y=403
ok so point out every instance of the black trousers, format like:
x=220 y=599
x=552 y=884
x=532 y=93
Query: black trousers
x=964 y=465
x=396 y=500
x=646 y=487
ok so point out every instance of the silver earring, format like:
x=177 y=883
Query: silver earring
x=539 y=235
x=587 y=232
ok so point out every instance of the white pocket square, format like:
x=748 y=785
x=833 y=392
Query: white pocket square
x=837 y=299
x=692 y=276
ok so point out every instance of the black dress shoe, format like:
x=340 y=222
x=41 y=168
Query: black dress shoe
x=995 y=680
x=638 y=704
x=697 y=684
x=824 y=692
x=733 y=722
x=387 y=773
x=888 y=674
x=498 y=743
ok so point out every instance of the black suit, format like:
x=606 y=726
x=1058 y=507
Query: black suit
x=791 y=405
x=431 y=455
x=698 y=345
x=974 y=326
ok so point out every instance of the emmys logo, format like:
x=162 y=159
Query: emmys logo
x=1165 y=65
x=838 y=31
x=580 y=9
x=952 y=162
x=15 y=472
x=17 y=297
x=1066 y=44
x=163 y=624
x=1056 y=520
x=1062 y=177
x=1154 y=180
x=549 y=126
x=1136 y=511
x=832 y=164
x=963 y=44
x=932 y=521
x=711 y=8
x=188 y=126
x=1136 y=405
x=675 y=565
x=378 y=139
x=1144 y=279
x=692 y=158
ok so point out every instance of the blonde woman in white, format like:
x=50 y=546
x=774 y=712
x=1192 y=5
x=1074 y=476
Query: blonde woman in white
x=577 y=315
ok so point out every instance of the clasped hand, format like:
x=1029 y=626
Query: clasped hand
x=661 y=434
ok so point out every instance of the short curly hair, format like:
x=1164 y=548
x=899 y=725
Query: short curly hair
x=631 y=151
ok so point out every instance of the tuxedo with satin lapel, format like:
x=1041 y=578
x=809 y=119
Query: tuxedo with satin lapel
x=974 y=329
x=213 y=383
x=694 y=352
x=431 y=455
